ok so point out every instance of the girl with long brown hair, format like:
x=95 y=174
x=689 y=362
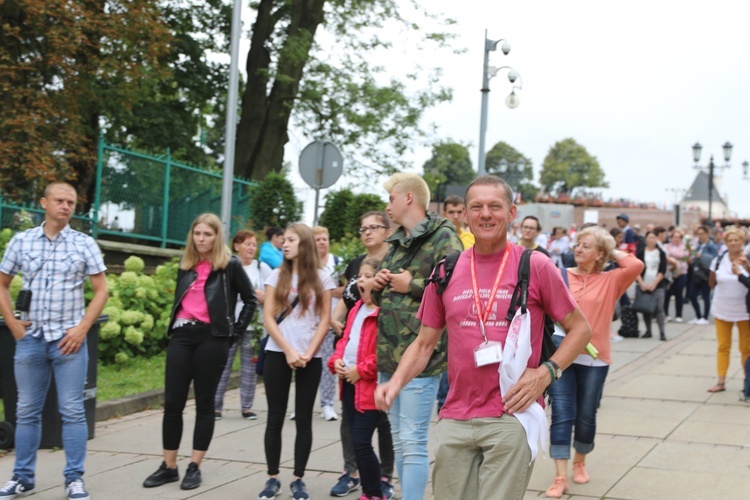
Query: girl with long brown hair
x=297 y=317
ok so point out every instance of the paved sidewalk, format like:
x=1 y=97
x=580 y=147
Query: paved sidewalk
x=660 y=436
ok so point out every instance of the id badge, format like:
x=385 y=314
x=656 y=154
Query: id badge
x=488 y=353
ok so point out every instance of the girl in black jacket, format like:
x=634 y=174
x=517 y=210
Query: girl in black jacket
x=201 y=328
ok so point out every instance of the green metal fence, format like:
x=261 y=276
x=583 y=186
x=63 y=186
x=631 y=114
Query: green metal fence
x=147 y=198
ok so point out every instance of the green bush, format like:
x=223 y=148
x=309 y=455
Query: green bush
x=344 y=209
x=138 y=308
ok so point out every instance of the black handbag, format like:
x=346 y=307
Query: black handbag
x=645 y=303
x=261 y=363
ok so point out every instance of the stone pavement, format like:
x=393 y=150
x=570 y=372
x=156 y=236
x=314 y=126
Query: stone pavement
x=660 y=436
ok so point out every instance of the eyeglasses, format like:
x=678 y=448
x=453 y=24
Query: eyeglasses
x=371 y=229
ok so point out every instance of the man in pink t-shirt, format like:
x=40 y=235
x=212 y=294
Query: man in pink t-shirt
x=477 y=423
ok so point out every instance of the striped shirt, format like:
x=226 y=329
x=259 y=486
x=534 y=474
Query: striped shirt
x=55 y=272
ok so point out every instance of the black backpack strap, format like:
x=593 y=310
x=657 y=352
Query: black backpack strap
x=521 y=291
x=445 y=268
x=718 y=260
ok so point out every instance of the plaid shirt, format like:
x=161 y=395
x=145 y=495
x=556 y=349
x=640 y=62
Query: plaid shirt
x=58 y=269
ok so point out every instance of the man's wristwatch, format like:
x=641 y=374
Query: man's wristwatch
x=558 y=370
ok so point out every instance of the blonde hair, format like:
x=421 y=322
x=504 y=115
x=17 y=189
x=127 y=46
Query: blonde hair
x=308 y=282
x=604 y=243
x=220 y=254
x=734 y=230
x=319 y=230
x=410 y=183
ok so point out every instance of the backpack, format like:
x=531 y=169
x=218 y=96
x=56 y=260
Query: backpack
x=518 y=299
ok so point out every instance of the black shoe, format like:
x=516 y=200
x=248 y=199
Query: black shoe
x=192 y=477
x=646 y=335
x=662 y=337
x=163 y=475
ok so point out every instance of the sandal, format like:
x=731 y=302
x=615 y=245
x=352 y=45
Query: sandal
x=718 y=388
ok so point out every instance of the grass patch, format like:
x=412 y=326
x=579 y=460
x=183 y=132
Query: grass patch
x=137 y=376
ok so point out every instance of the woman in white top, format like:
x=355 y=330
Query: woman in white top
x=245 y=244
x=296 y=314
x=728 y=304
x=558 y=246
x=651 y=280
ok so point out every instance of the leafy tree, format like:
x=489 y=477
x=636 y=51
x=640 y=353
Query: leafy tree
x=361 y=204
x=273 y=202
x=344 y=209
x=186 y=109
x=67 y=63
x=140 y=71
x=449 y=164
x=334 y=91
x=505 y=161
x=336 y=215
x=568 y=166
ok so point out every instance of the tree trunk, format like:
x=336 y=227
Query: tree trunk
x=265 y=113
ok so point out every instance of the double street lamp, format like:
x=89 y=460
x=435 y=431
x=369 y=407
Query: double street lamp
x=511 y=101
x=711 y=166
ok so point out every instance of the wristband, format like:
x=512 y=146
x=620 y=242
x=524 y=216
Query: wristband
x=551 y=371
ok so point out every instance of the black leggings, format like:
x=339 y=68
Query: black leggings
x=277 y=378
x=193 y=355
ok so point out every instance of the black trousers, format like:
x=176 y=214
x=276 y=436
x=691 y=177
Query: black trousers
x=277 y=378
x=193 y=355
x=363 y=426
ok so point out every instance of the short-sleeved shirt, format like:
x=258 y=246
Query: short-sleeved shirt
x=475 y=392
x=728 y=302
x=298 y=328
x=55 y=272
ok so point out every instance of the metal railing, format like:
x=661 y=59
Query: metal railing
x=146 y=198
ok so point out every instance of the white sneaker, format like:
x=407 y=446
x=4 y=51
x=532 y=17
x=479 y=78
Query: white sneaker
x=329 y=413
x=292 y=416
x=677 y=320
x=616 y=339
x=695 y=321
x=669 y=319
x=702 y=321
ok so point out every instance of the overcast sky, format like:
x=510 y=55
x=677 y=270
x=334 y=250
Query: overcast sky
x=637 y=83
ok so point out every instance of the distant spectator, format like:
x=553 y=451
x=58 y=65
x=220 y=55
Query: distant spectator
x=270 y=250
x=455 y=211
x=678 y=254
x=700 y=261
x=629 y=239
x=530 y=229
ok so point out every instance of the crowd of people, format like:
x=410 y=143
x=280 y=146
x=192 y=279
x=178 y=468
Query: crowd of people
x=470 y=310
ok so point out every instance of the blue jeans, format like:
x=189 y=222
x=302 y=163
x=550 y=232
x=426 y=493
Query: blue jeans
x=575 y=399
x=410 y=421
x=704 y=291
x=35 y=362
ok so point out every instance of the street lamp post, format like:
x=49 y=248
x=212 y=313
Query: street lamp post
x=745 y=166
x=511 y=101
x=679 y=193
x=727 y=147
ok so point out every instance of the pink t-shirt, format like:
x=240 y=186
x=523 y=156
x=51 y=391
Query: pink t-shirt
x=475 y=392
x=194 y=305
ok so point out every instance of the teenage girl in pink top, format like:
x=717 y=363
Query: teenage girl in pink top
x=200 y=329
